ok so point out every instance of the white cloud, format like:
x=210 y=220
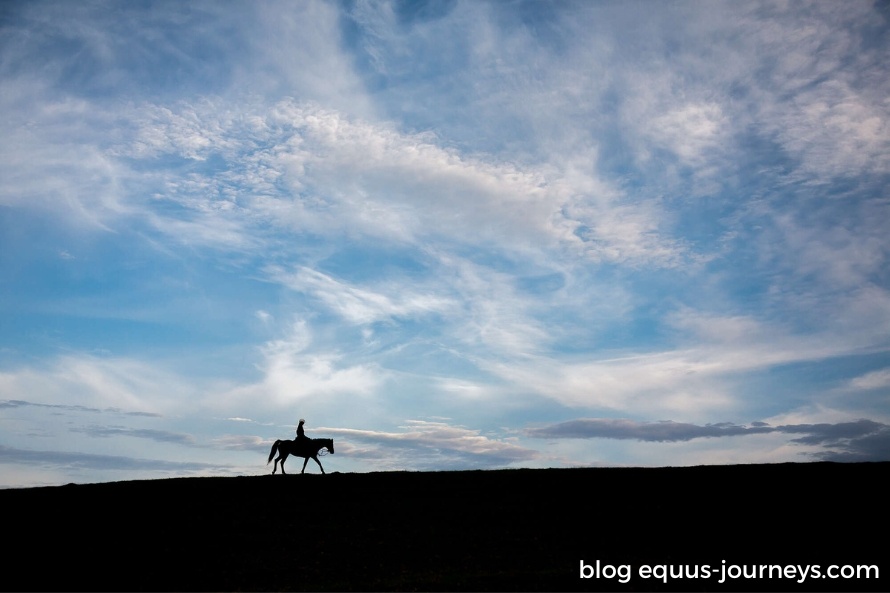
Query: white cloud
x=112 y=382
x=362 y=306
x=422 y=442
x=843 y=250
x=52 y=158
x=675 y=383
x=840 y=136
x=873 y=380
x=821 y=90
x=693 y=131
x=294 y=371
x=310 y=169
x=298 y=50
x=693 y=382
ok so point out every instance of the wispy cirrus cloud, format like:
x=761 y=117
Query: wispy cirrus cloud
x=873 y=380
x=101 y=384
x=360 y=305
x=72 y=408
x=161 y=436
x=432 y=443
x=302 y=168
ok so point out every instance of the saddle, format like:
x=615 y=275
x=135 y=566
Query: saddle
x=301 y=444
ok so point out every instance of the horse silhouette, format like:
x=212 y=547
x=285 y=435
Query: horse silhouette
x=307 y=449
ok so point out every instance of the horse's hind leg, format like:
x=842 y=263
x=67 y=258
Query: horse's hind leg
x=279 y=460
x=305 y=461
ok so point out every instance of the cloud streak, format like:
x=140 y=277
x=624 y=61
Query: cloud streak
x=432 y=444
x=83 y=461
x=859 y=440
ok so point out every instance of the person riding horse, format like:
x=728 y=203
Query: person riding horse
x=302 y=446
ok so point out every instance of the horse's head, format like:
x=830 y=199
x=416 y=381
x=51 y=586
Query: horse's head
x=329 y=444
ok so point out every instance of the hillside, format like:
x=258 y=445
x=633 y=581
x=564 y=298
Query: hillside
x=526 y=530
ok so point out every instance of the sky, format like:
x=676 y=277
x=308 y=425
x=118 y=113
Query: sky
x=450 y=235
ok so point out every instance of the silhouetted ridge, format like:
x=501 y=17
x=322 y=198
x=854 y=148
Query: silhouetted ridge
x=518 y=529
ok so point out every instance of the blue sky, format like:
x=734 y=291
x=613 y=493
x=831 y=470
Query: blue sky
x=449 y=235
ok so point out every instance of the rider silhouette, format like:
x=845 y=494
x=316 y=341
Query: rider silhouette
x=301 y=435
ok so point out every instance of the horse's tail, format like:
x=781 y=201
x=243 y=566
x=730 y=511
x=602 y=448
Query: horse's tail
x=272 y=452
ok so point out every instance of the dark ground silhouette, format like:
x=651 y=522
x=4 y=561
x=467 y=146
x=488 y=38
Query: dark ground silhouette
x=522 y=530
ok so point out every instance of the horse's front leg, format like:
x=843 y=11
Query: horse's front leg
x=318 y=462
